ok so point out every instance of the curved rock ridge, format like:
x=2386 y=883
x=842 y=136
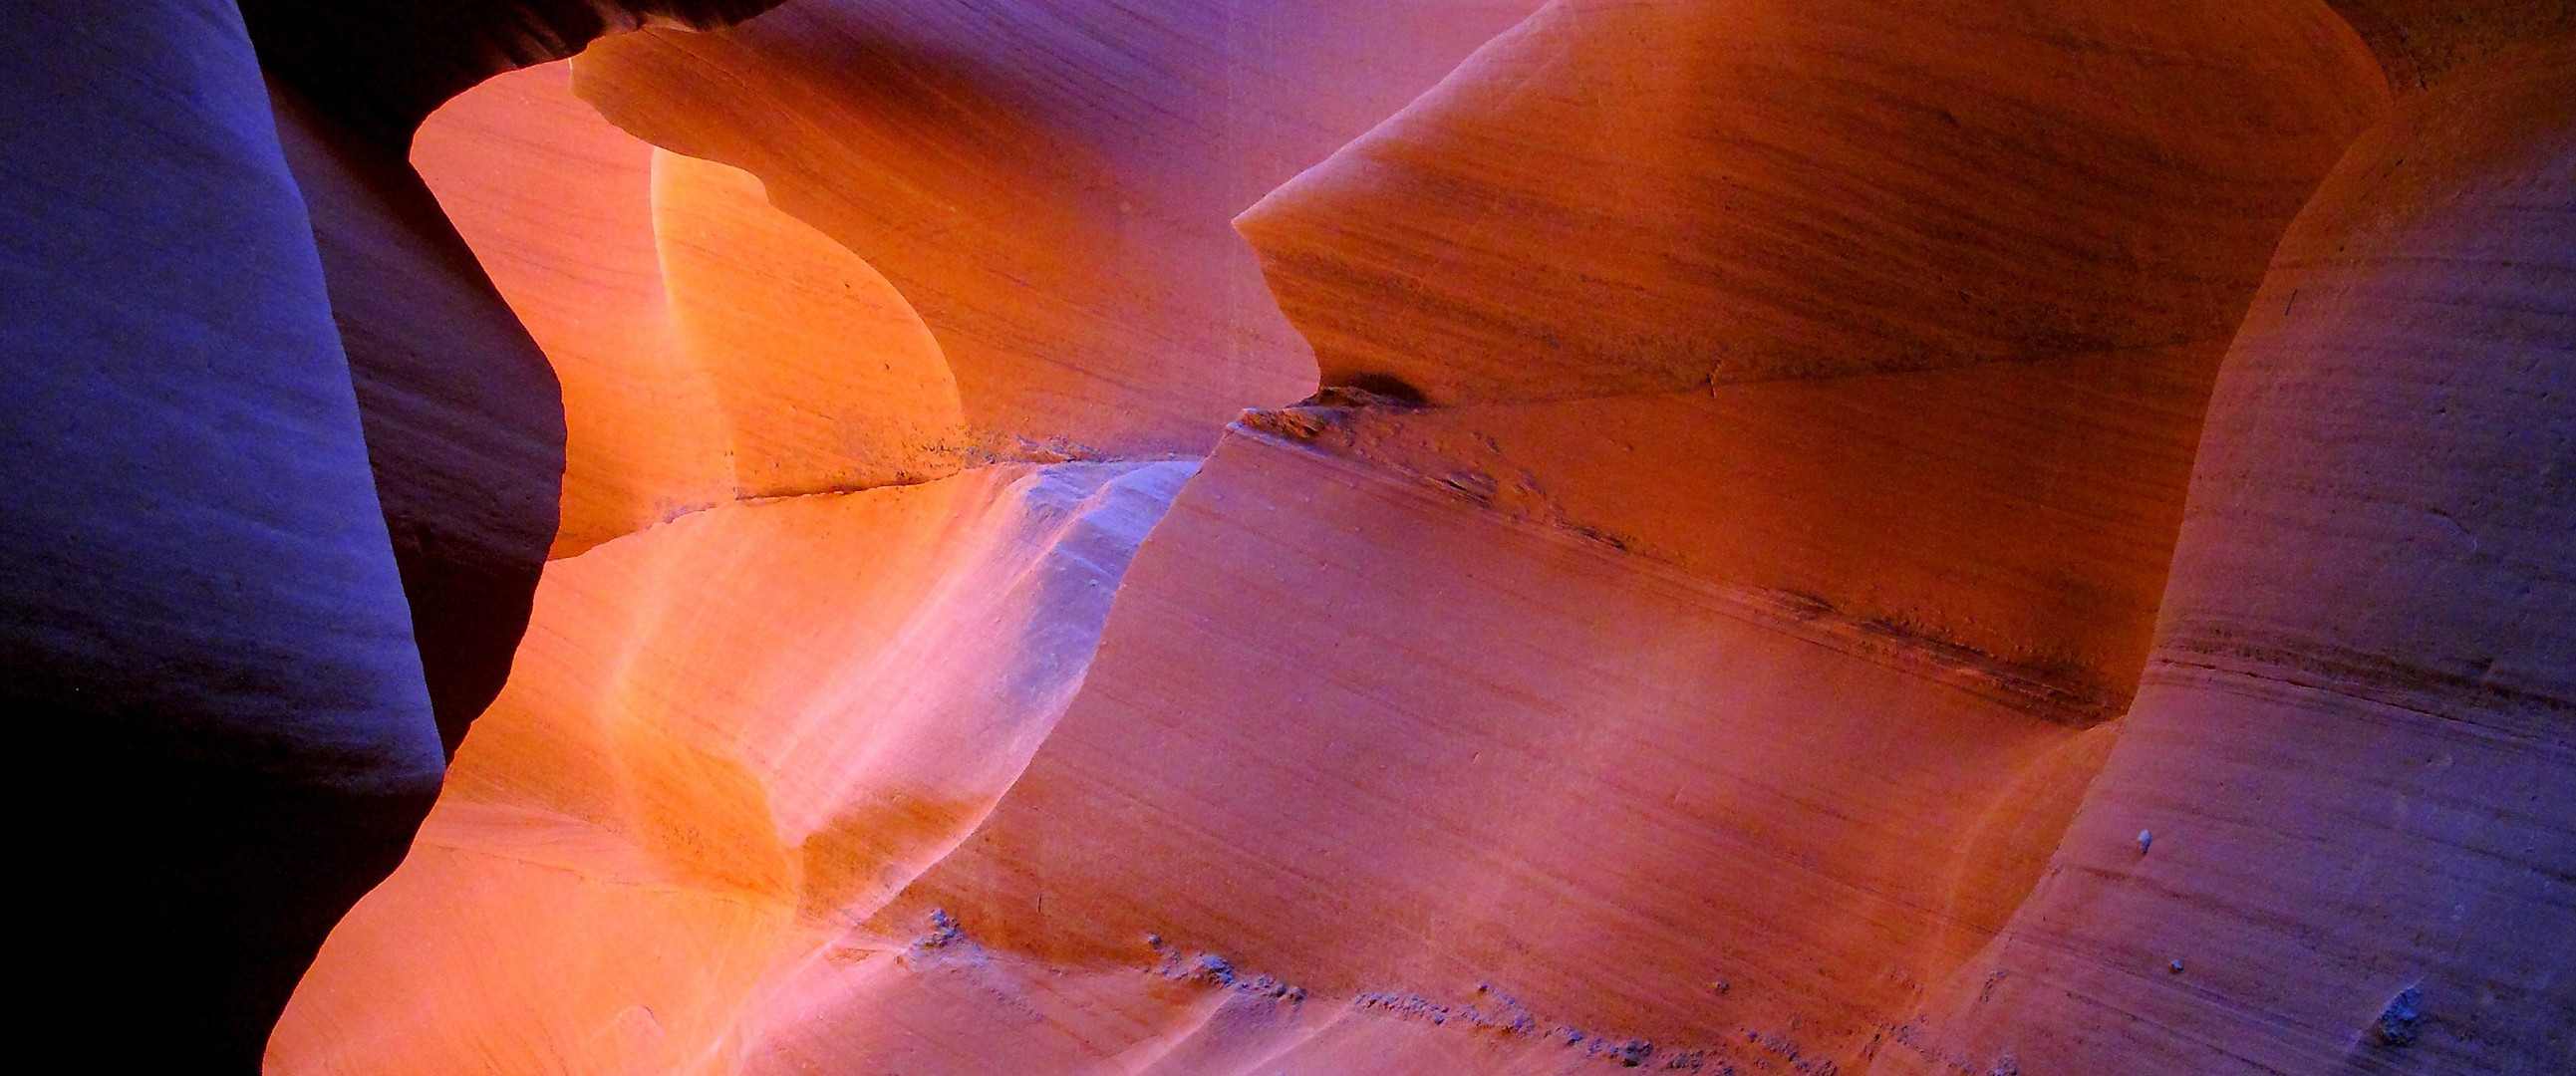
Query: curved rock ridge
x=1748 y=189
x=1051 y=189
x=2019 y=514
x=711 y=347
x=464 y=420
x=2353 y=746
x=723 y=784
x=557 y=207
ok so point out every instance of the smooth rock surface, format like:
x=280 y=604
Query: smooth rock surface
x=1618 y=197
x=711 y=346
x=713 y=789
x=1826 y=537
x=1403 y=747
x=557 y=205
x=2017 y=513
x=1051 y=188
x=202 y=629
x=2353 y=745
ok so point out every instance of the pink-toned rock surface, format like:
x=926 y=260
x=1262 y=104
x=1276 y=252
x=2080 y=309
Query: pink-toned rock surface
x=2353 y=746
x=2023 y=512
x=1406 y=748
x=1725 y=634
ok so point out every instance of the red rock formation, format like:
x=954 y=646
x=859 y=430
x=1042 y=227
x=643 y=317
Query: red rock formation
x=1861 y=535
x=1404 y=748
x=2353 y=746
x=558 y=207
x=203 y=625
x=921 y=642
x=1682 y=638
x=1807 y=189
x=1051 y=190
x=1795 y=191
x=710 y=346
x=465 y=427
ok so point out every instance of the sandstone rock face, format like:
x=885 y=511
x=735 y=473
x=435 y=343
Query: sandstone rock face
x=710 y=346
x=1051 y=190
x=926 y=640
x=1801 y=189
x=201 y=625
x=558 y=206
x=2352 y=746
x=1253 y=537
x=1662 y=336
x=283 y=472
x=2419 y=42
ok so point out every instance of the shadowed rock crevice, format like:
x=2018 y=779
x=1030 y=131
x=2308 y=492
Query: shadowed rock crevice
x=380 y=67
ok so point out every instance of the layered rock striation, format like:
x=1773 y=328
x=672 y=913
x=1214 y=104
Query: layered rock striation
x=1254 y=538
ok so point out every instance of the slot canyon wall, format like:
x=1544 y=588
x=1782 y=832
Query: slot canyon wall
x=1257 y=537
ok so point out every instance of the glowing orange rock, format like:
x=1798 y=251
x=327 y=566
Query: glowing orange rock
x=825 y=376
x=710 y=346
x=558 y=207
x=714 y=788
x=1051 y=192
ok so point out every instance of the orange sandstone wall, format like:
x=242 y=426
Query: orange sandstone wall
x=727 y=738
x=710 y=346
x=1734 y=191
x=1908 y=312
x=1051 y=189
x=1863 y=535
x=558 y=207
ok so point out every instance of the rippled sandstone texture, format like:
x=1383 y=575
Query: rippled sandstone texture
x=1833 y=537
